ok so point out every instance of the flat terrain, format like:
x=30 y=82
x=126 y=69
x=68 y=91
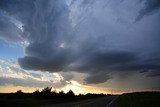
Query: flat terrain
x=31 y=100
x=139 y=99
x=95 y=102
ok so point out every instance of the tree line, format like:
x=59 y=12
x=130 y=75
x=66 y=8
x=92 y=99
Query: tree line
x=46 y=93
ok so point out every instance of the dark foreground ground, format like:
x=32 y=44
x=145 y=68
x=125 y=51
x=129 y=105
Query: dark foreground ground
x=54 y=100
x=107 y=101
x=140 y=99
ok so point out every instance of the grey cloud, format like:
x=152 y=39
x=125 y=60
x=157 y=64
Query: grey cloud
x=36 y=75
x=28 y=82
x=151 y=73
x=18 y=9
x=67 y=76
x=87 y=2
x=143 y=71
x=150 y=7
x=104 y=61
x=96 y=61
x=18 y=70
x=8 y=30
x=53 y=65
x=97 y=78
x=12 y=74
x=97 y=45
x=154 y=74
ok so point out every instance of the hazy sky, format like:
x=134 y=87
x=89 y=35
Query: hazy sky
x=109 y=44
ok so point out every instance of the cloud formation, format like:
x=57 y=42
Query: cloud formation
x=12 y=74
x=150 y=7
x=95 y=37
x=97 y=78
x=8 y=30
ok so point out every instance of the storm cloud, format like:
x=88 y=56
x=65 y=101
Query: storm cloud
x=96 y=37
x=150 y=7
x=97 y=78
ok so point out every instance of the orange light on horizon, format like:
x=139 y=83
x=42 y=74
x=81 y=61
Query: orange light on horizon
x=78 y=88
x=75 y=86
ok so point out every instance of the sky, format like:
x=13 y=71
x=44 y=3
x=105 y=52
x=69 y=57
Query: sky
x=100 y=46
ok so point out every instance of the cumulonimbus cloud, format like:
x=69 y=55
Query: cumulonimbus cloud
x=70 y=37
x=150 y=7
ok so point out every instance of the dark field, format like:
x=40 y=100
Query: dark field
x=139 y=99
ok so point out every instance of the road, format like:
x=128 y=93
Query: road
x=95 y=102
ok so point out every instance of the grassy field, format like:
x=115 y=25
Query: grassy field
x=139 y=99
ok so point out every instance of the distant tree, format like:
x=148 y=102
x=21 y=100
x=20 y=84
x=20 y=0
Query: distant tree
x=47 y=90
x=36 y=94
x=61 y=92
x=80 y=94
x=36 y=91
x=19 y=92
x=47 y=93
x=70 y=93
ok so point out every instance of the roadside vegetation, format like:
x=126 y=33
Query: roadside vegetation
x=139 y=99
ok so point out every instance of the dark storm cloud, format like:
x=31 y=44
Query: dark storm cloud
x=52 y=65
x=46 y=28
x=143 y=71
x=151 y=73
x=97 y=78
x=150 y=7
x=104 y=61
x=67 y=76
x=154 y=74
x=93 y=42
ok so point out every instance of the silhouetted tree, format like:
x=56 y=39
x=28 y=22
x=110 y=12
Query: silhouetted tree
x=18 y=94
x=61 y=94
x=47 y=90
x=36 y=91
x=70 y=93
x=36 y=94
x=47 y=93
x=19 y=91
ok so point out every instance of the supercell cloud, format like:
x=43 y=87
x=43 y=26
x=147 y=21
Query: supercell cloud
x=150 y=7
x=93 y=37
